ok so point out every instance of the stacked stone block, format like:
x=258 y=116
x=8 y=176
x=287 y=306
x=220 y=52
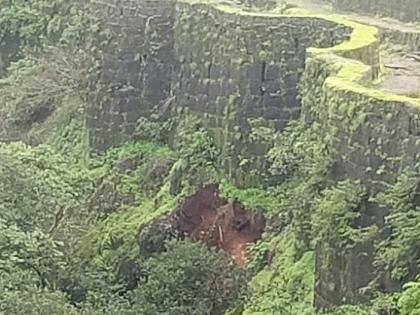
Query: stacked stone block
x=240 y=73
x=135 y=67
x=375 y=136
x=9 y=51
x=261 y=3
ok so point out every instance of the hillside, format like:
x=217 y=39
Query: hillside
x=235 y=157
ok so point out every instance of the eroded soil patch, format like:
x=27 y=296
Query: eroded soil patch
x=208 y=218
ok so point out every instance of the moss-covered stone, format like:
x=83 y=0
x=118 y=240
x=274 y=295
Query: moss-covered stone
x=238 y=73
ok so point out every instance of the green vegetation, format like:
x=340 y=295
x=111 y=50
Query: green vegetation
x=71 y=222
x=189 y=279
x=36 y=23
x=399 y=252
x=410 y=299
x=58 y=249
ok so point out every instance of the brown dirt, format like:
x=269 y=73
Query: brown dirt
x=227 y=225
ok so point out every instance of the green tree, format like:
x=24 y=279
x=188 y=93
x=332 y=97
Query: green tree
x=335 y=214
x=401 y=250
x=189 y=279
x=40 y=189
x=409 y=302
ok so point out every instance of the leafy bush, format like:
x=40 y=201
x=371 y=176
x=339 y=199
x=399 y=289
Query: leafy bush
x=409 y=302
x=38 y=187
x=402 y=247
x=189 y=279
x=335 y=214
x=35 y=88
x=35 y=21
x=351 y=310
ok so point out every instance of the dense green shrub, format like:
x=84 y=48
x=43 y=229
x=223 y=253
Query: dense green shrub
x=409 y=302
x=189 y=279
x=401 y=250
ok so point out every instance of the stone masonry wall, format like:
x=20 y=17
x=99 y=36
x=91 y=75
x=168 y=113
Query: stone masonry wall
x=387 y=144
x=404 y=10
x=135 y=67
x=239 y=73
x=376 y=136
x=9 y=51
x=261 y=3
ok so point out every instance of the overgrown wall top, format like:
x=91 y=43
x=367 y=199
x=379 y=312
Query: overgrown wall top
x=373 y=137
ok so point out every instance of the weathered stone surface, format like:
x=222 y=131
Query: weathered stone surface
x=135 y=68
x=374 y=155
x=223 y=67
x=261 y=3
x=241 y=67
x=404 y=10
x=375 y=138
x=9 y=51
x=239 y=72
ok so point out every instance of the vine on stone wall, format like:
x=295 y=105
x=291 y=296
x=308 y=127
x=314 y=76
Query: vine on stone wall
x=399 y=253
x=334 y=217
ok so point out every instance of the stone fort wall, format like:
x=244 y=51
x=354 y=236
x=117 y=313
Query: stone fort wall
x=135 y=68
x=373 y=136
x=239 y=72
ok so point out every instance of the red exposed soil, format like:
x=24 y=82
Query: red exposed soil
x=227 y=225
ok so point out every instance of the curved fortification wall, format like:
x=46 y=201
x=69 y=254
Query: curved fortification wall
x=245 y=74
x=373 y=137
x=239 y=73
x=235 y=70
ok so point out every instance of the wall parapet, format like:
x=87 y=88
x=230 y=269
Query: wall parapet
x=373 y=136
